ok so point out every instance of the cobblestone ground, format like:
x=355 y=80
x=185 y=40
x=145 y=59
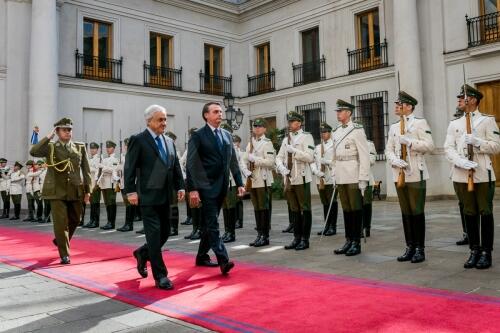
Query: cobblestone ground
x=34 y=303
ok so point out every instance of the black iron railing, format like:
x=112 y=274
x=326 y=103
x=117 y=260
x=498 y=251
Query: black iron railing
x=483 y=29
x=162 y=77
x=98 y=68
x=215 y=84
x=309 y=72
x=368 y=58
x=261 y=84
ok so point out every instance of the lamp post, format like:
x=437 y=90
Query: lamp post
x=234 y=118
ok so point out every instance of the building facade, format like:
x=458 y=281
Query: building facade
x=103 y=62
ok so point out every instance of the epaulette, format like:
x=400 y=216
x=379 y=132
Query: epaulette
x=487 y=115
x=356 y=125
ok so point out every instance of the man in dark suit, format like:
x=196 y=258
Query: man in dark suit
x=152 y=172
x=211 y=157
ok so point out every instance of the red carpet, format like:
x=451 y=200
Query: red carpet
x=253 y=298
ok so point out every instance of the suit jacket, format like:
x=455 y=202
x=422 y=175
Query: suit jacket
x=147 y=174
x=208 y=167
x=68 y=173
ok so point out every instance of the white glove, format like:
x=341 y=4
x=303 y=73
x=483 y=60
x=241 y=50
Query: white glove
x=116 y=178
x=325 y=161
x=290 y=149
x=362 y=185
x=283 y=170
x=251 y=158
x=247 y=173
x=320 y=174
x=399 y=163
x=405 y=140
x=471 y=139
x=466 y=164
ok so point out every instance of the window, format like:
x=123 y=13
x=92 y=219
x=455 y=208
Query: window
x=489 y=6
x=313 y=114
x=213 y=60
x=490 y=23
x=371 y=112
x=263 y=59
x=310 y=55
x=96 y=43
x=160 y=50
x=368 y=33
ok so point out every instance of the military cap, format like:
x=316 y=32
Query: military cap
x=3 y=160
x=171 y=135
x=126 y=141
x=64 y=123
x=18 y=164
x=343 y=105
x=324 y=127
x=259 y=122
x=192 y=130
x=226 y=127
x=29 y=162
x=94 y=145
x=404 y=97
x=110 y=144
x=236 y=138
x=471 y=91
x=295 y=116
x=40 y=162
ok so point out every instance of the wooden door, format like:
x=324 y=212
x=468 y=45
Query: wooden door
x=490 y=104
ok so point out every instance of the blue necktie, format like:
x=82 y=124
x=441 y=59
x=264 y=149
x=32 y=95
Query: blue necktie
x=219 y=140
x=163 y=154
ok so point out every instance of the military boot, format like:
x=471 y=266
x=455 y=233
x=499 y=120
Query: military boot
x=111 y=210
x=472 y=226
x=231 y=236
x=419 y=226
x=357 y=224
x=239 y=214
x=367 y=219
x=332 y=217
x=265 y=227
x=410 y=246
x=306 y=231
x=291 y=222
x=348 y=234
x=174 y=221
x=129 y=219
x=82 y=218
x=297 y=231
x=487 y=230
x=465 y=238
x=258 y=223
x=17 y=212
x=225 y=217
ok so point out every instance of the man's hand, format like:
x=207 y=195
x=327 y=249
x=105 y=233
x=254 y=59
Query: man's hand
x=181 y=195
x=471 y=139
x=86 y=198
x=133 y=199
x=251 y=157
x=399 y=163
x=241 y=191
x=52 y=133
x=291 y=149
x=194 y=199
x=405 y=140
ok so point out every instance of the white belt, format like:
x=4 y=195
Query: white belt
x=346 y=158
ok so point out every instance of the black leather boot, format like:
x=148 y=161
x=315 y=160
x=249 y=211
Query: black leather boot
x=17 y=212
x=327 y=222
x=258 y=223
x=297 y=231
x=82 y=218
x=472 y=227
x=419 y=226
x=174 y=221
x=225 y=217
x=465 y=238
x=306 y=231
x=129 y=219
x=348 y=234
x=410 y=246
x=239 y=214
x=265 y=227
x=6 y=212
x=357 y=222
x=189 y=220
x=110 y=225
x=487 y=231
x=332 y=217
x=196 y=217
x=291 y=222
x=231 y=223
x=367 y=219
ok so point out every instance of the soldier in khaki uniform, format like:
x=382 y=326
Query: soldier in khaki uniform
x=107 y=183
x=368 y=195
x=293 y=162
x=417 y=141
x=351 y=160
x=482 y=144
x=17 y=179
x=95 y=197
x=67 y=182
x=33 y=195
x=5 y=187
x=258 y=164
x=322 y=168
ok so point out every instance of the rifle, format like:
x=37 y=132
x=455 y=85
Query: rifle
x=289 y=161
x=251 y=165
x=117 y=185
x=401 y=178
x=470 y=148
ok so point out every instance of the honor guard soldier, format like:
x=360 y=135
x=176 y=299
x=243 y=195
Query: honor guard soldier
x=33 y=192
x=239 y=201
x=46 y=203
x=409 y=140
x=174 y=204
x=193 y=213
x=107 y=183
x=368 y=195
x=67 y=183
x=5 y=187
x=229 y=204
x=259 y=162
x=471 y=142
x=17 y=179
x=293 y=162
x=129 y=209
x=351 y=160
x=95 y=196
x=322 y=169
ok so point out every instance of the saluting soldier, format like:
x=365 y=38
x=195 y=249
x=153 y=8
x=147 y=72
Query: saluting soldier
x=67 y=183
x=174 y=203
x=417 y=141
x=322 y=169
x=95 y=196
x=46 y=203
x=107 y=183
x=368 y=194
x=471 y=155
x=258 y=164
x=229 y=203
x=33 y=192
x=293 y=162
x=351 y=160
x=17 y=179
x=5 y=187
x=129 y=209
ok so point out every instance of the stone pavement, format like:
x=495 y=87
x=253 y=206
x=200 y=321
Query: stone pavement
x=34 y=303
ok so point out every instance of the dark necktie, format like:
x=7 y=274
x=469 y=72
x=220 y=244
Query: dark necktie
x=219 y=140
x=163 y=154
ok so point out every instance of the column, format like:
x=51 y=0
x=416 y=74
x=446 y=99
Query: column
x=43 y=80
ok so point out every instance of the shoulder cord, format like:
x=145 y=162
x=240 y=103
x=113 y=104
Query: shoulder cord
x=66 y=163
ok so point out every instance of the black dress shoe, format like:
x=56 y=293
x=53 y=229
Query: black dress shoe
x=206 y=263
x=125 y=228
x=304 y=244
x=419 y=256
x=91 y=225
x=256 y=240
x=409 y=253
x=230 y=238
x=140 y=231
x=473 y=259
x=196 y=235
x=164 y=283
x=65 y=260
x=141 y=264
x=355 y=249
x=463 y=241
x=226 y=267
x=108 y=226
x=344 y=248
x=293 y=244
x=263 y=241
x=484 y=261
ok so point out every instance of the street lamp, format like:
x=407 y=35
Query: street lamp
x=234 y=118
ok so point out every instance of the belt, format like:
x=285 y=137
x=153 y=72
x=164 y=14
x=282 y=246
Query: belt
x=346 y=158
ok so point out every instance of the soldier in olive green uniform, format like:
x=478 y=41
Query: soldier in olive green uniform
x=95 y=197
x=229 y=204
x=107 y=183
x=259 y=162
x=4 y=187
x=417 y=140
x=293 y=162
x=67 y=182
x=351 y=160
x=174 y=203
x=471 y=155
x=17 y=179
